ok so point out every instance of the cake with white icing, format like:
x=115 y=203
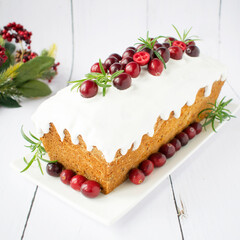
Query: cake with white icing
x=104 y=137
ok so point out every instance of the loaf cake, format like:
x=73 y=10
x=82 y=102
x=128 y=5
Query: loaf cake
x=103 y=138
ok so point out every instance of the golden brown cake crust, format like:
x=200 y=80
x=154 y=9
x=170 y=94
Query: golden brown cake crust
x=93 y=165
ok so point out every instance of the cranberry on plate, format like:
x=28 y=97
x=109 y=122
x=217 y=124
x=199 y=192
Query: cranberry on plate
x=66 y=176
x=147 y=167
x=168 y=150
x=90 y=189
x=158 y=159
x=77 y=181
x=136 y=176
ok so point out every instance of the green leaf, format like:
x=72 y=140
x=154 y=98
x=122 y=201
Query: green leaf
x=10 y=47
x=8 y=102
x=160 y=58
x=33 y=69
x=34 y=88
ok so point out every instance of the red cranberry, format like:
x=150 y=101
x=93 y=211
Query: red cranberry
x=192 y=43
x=180 y=44
x=176 y=143
x=197 y=126
x=150 y=51
x=170 y=40
x=158 y=159
x=168 y=150
x=90 y=188
x=190 y=131
x=88 y=89
x=109 y=61
x=142 y=58
x=96 y=68
x=54 y=169
x=155 y=67
x=122 y=81
x=192 y=51
x=117 y=56
x=164 y=52
x=77 y=181
x=115 y=67
x=131 y=48
x=128 y=53
x=175 y=52
x=66 y=176
x=183 y=138
x=133 y=69
x=157 y=45
x=147 y=167
x=125 y=61
x=166 y=45
x=136 y=176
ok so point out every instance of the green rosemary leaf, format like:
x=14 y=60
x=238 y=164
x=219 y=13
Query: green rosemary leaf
x=217 y=112
x=26 y=137
x=25 y=160
x=33 y=136
x=180 y=37
x=36 y=148
x=48 y=161
x=93 y=75
x=141 y=48
x=116 y=74
x=101 y=67
x=40 y=166
x=160 y=57
x=29 y=164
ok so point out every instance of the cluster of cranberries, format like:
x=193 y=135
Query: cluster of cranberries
x=3 y=56
x=16 y=31
x=132 y=60
x=158 y=159
x=89 y=188
x=177 y=48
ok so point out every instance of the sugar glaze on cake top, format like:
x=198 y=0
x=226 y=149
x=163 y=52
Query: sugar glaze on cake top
x=121 y=118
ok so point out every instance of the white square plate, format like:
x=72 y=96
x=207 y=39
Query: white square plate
x=109 y=208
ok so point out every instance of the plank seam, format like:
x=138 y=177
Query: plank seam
x=175 y=203
x=29 y=212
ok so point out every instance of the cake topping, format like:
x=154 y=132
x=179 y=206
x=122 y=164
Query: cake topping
x=134 y=111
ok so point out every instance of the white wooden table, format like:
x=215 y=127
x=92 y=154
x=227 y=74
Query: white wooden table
x=84 y=30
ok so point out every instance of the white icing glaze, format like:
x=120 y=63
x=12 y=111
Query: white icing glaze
x=121 y=118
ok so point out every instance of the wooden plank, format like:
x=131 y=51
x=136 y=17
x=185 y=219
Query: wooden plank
x=62 y=222
x=50 y=21
x=105 y=27
x=202 y=16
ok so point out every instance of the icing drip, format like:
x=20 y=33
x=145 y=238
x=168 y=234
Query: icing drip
x=121 y=118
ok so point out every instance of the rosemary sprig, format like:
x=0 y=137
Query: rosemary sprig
x=184 y=37
x=149 y=43
x=217 y=111
x=103 y=80
x=36 y=148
